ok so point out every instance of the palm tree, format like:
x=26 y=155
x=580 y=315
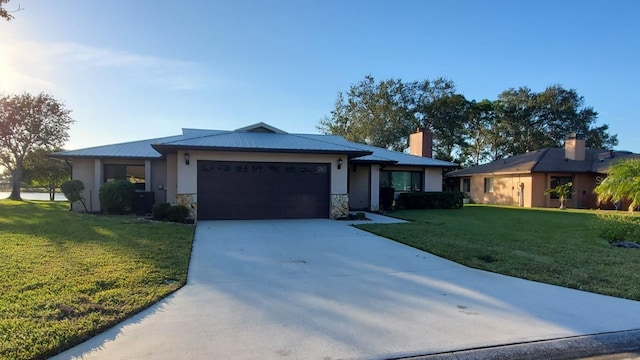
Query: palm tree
x=623 y=182
x=563 y=191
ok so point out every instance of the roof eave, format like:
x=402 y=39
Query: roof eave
x=172 y=149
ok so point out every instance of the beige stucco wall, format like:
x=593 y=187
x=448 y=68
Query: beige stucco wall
x=506 y=189
x=375 y=187
x=158 y=180
x=359 y=190
x=172 y=178
x=188 y=174
x=432 y=179
x=83 y=170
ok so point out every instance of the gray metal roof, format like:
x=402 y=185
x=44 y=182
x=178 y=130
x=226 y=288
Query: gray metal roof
x=134 y=149
x=258 y=141
x=380 y=155
x=253 y=138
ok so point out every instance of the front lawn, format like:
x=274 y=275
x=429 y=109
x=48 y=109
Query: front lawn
x=67 y=276
x=546 y=245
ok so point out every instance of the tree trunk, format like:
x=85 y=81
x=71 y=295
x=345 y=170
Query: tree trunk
x=15 y=182
x=52 y=193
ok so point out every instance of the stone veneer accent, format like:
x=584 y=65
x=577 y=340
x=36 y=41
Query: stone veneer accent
x=190 y=201
x=339 y=205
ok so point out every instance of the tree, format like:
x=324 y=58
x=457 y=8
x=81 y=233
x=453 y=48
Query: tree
x=27 y=123
x=622 y=182
x=384 y=113
x=42 y=170
x=72 y=190
x=531 y=121
x=379 y=114
x=563 y=191
x=446 y=116
x=4 y=13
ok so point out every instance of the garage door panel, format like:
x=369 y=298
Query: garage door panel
x=250 y=190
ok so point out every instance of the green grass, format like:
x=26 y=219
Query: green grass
x=546 y=245
x=67 y=276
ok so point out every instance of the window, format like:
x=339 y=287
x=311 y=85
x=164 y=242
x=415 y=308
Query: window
x=132 y=173
x=401 y=180
x=488 y=185
x=466 y=185
x=560 y=180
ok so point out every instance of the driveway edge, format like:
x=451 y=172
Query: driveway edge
x=576 y=347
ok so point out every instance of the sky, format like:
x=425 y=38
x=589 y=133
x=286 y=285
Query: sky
x=132 y=70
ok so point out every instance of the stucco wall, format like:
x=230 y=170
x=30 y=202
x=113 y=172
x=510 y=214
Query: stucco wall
x=159 y=179
x=188 y=174
x=172 y=178
x=433 y=179
x=83 y=170
x=359 y=190
x=375 y=187
x=506 y=189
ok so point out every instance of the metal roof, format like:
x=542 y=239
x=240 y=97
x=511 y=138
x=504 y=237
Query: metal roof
x=380 y=155
x=134 y=149
x=258 y=138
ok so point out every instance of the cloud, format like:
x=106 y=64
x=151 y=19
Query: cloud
x=26 y=65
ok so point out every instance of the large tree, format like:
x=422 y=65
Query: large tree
x=482 y=139
x=29 y=122
x=530 y=120
x=374 y=113
x=384 y=113
x=42 y=170
x=622 y=182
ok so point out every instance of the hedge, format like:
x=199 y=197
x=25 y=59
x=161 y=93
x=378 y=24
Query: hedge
x=431 y=200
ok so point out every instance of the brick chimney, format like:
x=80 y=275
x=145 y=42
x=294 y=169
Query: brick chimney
x=420 y=143
x=574 y=147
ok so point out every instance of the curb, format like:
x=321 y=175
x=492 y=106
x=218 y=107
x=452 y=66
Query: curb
x=577 y=347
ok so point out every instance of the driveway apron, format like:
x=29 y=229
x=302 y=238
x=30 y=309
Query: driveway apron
x=321 y=289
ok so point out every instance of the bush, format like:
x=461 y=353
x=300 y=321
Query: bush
x=178 y=214
x=616 y=227
x=431 y=200
x=386 y=198
x=116 y=197
x=72 y=190
x=160 y=211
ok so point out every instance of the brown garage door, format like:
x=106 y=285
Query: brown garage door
x=257 y=190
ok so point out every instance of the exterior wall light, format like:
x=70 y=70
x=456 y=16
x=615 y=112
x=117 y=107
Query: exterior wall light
x=339 y=163
x=186 y=158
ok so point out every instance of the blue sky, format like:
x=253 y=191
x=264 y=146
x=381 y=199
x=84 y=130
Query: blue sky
x=139 y=69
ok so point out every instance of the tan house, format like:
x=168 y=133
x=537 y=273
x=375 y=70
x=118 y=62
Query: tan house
x=521 y=180
x=257 y=172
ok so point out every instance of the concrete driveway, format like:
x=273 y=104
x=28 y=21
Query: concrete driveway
x=320 y=289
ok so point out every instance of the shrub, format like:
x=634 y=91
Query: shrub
x=72 y=190
x=616 y=227
x=160 y=211
x=116 y=197
x=178 y=214
x=386 y=198
x=431 y=200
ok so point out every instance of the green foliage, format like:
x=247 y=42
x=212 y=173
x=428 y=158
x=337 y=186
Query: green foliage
x=178 y=213
x=72 y=190
x=42 y=170
x=160 y=211
x=116 y=196
x=67 y=276
x=622 y=182
x=563 y=191
x=431 y=200
x=546 y=245
x=27 y=123
x=384 y=113
x=617 y=227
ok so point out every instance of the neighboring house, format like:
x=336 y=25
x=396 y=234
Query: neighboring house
x=258 y=172
x=522 y=179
